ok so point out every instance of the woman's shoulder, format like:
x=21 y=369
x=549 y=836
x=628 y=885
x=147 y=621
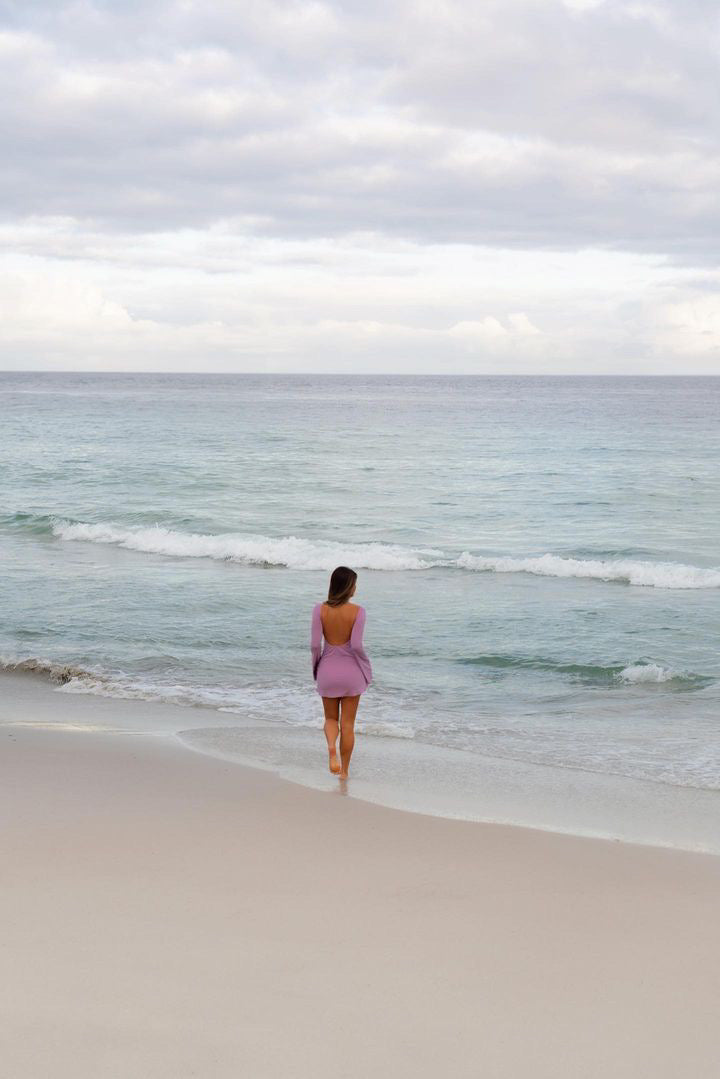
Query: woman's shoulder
x=351 y=606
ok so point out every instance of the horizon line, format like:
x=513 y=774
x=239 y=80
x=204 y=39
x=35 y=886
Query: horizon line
x=368 y=374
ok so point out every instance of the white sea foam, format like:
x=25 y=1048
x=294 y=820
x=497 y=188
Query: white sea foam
x=649 y=574
x=93 y=681
x=296 y=553
x=647 y=672
x=296 y=705
x=287 y=551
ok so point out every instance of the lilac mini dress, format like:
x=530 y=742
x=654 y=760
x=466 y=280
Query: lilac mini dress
x=340 y=670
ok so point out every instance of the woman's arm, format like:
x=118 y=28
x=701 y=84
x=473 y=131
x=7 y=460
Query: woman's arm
x=316 y=633
x=356 y=643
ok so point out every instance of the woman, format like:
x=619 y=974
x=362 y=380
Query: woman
x=342 y=669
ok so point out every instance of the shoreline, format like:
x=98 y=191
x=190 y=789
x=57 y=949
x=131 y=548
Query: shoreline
x=170 y=914
x=409 y=775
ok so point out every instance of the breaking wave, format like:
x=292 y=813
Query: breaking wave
x=641 y=671
x=652 y=672
x=294 y=552
x=288 y=551
x=649 y=574
x=60 y=673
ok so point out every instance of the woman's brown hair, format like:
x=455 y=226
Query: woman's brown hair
x=342 y=580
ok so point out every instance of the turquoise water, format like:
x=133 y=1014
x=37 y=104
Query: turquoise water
x=539 y=557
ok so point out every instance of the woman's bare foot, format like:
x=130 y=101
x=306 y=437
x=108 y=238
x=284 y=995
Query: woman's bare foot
x=334 y=762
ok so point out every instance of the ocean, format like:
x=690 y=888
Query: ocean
x=539 y=558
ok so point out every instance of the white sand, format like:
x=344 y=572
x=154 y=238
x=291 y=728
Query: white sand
x=165 y=914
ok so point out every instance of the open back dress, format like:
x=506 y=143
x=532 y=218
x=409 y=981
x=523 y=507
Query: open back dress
x=339 y=670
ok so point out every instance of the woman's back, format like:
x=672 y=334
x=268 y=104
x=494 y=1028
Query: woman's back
x=337 y=622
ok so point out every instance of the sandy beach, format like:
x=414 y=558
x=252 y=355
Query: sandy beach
x=168 y=914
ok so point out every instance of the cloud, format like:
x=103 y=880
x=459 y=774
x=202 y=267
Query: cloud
x=690 y=328
x=328 y=306
x=284 y=176
x=520 y=123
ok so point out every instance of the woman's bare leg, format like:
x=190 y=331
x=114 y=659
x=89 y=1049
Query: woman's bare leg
x=331 y=707
x=347 y=731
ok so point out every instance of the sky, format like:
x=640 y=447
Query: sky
x=430 y=186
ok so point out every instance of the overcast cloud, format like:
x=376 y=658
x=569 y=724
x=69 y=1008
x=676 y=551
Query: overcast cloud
x=498 y=186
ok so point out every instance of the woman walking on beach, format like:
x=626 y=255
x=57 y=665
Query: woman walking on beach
x=341 y=669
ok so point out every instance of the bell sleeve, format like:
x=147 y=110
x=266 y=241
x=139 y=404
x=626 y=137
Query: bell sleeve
x=316 y=638
x=356 y=643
